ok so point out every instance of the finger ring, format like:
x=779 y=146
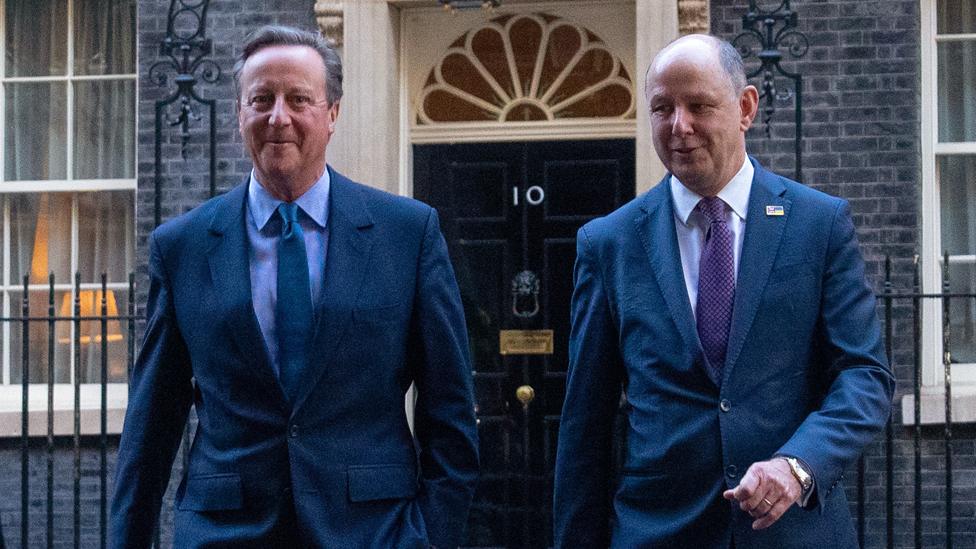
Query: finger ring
x=767 y=502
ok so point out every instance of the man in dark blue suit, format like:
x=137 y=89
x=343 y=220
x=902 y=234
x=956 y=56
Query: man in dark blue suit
x=731 y=308
x=294 y=312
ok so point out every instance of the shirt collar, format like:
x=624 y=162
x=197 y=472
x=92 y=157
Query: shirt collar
x=735 y=194
x=315 y=202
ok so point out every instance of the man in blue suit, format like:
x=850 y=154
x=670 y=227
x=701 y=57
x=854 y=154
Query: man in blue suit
x=294 y=312
x=731 y=308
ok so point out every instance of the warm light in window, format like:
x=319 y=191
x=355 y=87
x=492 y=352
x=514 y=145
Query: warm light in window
x=91 y=305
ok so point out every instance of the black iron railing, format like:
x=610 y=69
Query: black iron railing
x=932 y=447
x=890 y=300
x=87 y=306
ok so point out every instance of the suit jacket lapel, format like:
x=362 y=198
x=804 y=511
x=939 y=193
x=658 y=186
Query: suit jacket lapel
x=657 y=233
x=759 y=247
x=346 y=265
x=230 y=274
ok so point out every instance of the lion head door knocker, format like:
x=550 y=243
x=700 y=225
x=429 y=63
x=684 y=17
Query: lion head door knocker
x=525 y=294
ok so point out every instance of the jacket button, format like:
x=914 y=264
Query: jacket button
x=293 y=432
x=725 y=405
x=731 y=471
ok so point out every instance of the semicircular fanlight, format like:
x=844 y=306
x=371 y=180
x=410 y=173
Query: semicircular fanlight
x=532 y=67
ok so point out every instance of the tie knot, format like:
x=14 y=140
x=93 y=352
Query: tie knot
x=712 y=208
x=288 y=212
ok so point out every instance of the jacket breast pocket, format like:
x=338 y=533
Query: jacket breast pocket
x=212 y=493
x=377 y=482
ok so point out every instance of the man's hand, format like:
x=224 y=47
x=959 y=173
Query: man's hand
x=767 y=490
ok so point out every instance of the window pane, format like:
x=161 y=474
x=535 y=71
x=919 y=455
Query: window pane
x=104 y=145
x=957 y=91
x=40 y=339
x=35 y=133
x=40 y=237
x=957 y=182
x=105 y=36
x=957 y=191
x=104 y=235
x=962 y=313
x=116 y=332
x=36 y=31
x=957 y=16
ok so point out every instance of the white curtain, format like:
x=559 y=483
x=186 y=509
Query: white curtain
x=103 y=146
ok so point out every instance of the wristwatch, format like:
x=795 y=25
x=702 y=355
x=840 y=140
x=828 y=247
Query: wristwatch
x=800 y=473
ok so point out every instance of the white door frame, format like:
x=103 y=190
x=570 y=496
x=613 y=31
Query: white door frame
x=372 y=142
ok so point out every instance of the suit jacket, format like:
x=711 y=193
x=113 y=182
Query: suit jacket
x=335 y=465
x=805 y=375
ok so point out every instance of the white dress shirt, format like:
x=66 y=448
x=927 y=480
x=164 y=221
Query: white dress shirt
x=691 y=225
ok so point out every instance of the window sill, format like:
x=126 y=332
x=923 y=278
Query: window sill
x=933 y=405
x=11 y=408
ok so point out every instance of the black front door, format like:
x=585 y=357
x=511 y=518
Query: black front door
x=510 y=212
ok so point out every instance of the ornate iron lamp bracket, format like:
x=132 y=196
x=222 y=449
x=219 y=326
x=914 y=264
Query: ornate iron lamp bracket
x=770 y=32
x=184 y=51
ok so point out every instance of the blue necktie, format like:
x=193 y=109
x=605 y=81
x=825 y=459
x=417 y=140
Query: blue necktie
x=716 y=287
x=293 y=309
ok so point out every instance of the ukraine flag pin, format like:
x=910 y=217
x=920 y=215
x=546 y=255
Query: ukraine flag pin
x=774 y=210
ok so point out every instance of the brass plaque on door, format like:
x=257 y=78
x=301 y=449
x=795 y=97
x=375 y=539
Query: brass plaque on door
x=525 y=342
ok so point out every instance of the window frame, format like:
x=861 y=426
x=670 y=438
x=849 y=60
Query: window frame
x=963 y=375
x=11 y=393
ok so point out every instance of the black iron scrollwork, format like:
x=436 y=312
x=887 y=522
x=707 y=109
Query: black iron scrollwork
x=184 y=51
x=525 y=292
x=770 y=32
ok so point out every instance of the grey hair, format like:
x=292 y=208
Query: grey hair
x=728 y=57
x=274 y=35
x=732 y=64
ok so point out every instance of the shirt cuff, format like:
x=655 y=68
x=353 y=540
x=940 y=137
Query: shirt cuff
x=805 y=496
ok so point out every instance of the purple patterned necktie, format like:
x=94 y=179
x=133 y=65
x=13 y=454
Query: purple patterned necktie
x=716 y=286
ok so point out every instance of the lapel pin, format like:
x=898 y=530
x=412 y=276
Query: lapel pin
x=775 y=210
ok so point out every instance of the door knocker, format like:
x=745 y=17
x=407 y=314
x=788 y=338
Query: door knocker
x=525 y=294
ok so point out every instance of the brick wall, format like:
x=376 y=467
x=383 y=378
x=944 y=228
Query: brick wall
x=63 y=484
x=861 y=142
x=185 y=182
